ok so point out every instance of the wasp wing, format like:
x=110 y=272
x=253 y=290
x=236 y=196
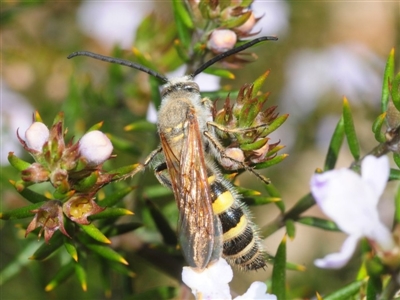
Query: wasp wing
x=199 y=230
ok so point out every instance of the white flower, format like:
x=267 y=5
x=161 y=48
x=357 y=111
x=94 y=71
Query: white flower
x=222 y=40
x=96 y=147
x=351 y=201
x=36 y=135
x=212 y=283
x=257 y=290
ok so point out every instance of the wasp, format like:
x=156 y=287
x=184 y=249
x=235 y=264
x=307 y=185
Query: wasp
x=213 y=222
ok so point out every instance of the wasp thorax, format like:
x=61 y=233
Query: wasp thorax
x=179 y=97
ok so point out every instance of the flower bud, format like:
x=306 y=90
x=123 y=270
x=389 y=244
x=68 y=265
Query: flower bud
x=221 y=40
x=36 y=135
x=248 y=25
x=35 y=173
x=50 y=217
x=95 y=147
x=237 y=157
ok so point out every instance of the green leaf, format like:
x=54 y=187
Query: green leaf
x=377 y=128
x=301 y=206
x=120 y=268
x=271 y=162
x=275 y=125
x=257 y=84
x=87 y=182
x=45 y=250
x=396 y=158
x=394 y=173
x=155 y=91
x=141 y=125
x=123 y=228
x=30 y=195
x=180 y=12
x=290 y=228
x=111 y=212
x=182 y=51
x=18 y=262
x=387 y=79
x=334 y=146
x=96 y=126
x=319 y=223
x=279 y=272
x=95 y=233
x=220 y=73
x=20 y=213
x=163 y=226
x=155 y=191
x=81 y=276
x=17 y=163
x=395 y=91
x=295 y=267
x=115 y=197
x=63 y=273
x=180 y=20
x=245 y=192
x=346 y=292
x=124 y=145
x=350 y=130
x=254 y=146
x=260 y=200
x=273 y=192
x=106 y=252
x=397 y=206
x=144 y=60
x=71 y=249
x=236 y=22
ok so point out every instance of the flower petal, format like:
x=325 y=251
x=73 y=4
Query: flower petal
x=212 y=283
x=341 y=194
x=375 y=172
x=339 y=259
x=257 y=290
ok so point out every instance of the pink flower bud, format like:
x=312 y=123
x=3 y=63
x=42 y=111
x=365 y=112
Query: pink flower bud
x=248 y=25
x=221 y=40
x=36 y=135
x=95 y=147
x=237 y=157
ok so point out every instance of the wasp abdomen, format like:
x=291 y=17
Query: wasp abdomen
x=241 y=244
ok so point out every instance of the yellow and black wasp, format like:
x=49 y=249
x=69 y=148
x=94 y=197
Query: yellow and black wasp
x=213 y=222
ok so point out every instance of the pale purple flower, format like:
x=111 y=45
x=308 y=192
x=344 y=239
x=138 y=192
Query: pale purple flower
x=351 y=200
x=213 y=283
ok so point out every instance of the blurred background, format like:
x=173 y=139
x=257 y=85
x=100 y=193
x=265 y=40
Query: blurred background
x=326 y=50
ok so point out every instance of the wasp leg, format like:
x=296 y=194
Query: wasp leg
x=162 y=178
x=217 y=145
x=140 y=166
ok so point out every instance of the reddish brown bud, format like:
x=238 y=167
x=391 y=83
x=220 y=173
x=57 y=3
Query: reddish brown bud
x=35 y=173
x=50 y=217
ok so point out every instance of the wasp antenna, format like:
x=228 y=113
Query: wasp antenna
x=233 y=51
x=119 y=61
